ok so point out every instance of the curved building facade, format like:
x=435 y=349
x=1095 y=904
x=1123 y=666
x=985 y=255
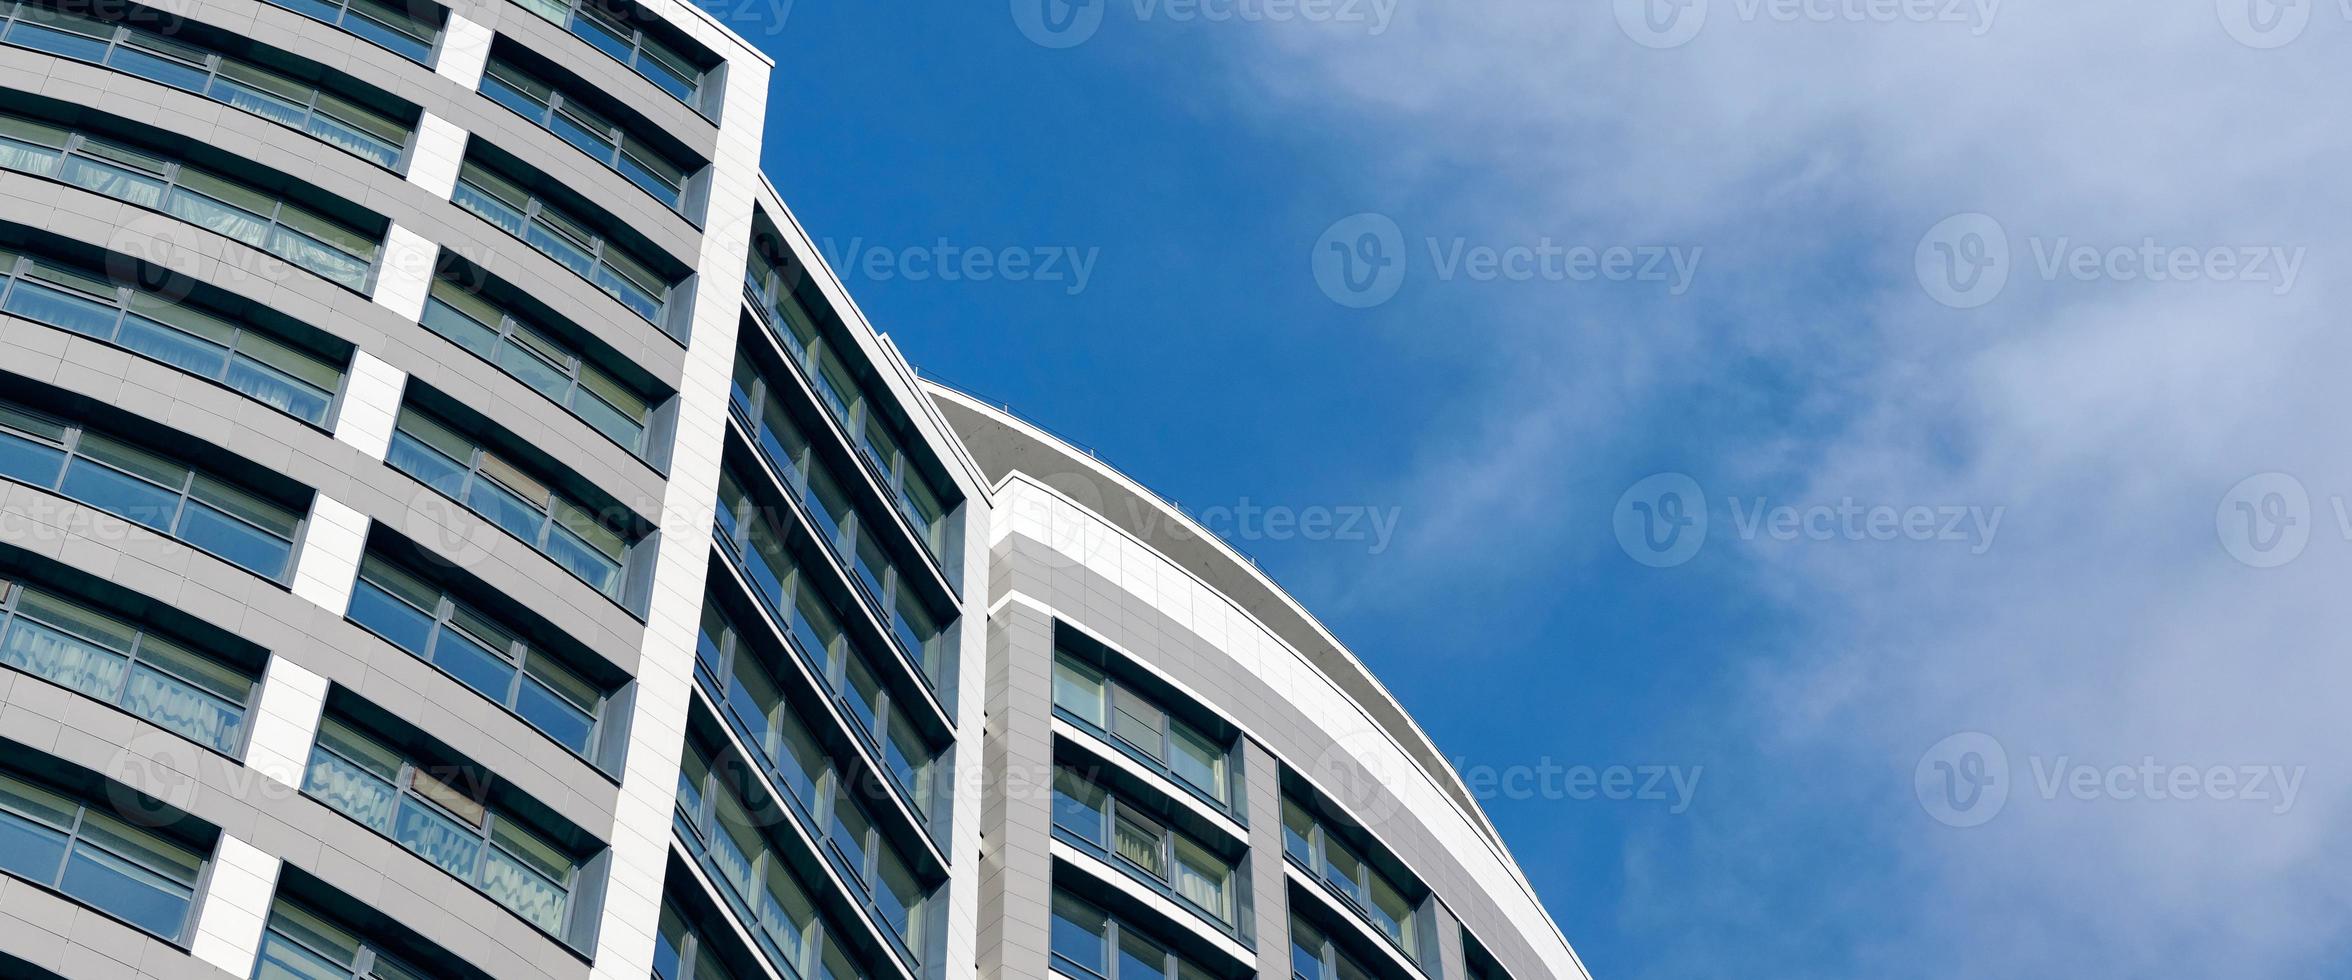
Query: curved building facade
x=453 y=524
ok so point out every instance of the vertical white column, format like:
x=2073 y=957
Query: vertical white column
x=665 y=676
x=286 y=722
x=440 y=148
x=406 y=273
x=236 y=906
x=371 y=404
x=465 y=48
x=331 y=545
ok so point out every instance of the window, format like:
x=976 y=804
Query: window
x=332 y=249
x=425 y=810
x=845 y=530
x=1314 y=957
x=345 y=123
x=681 y=952
x=773 y=288
x=572 y=243
x=144 y=877
x=1367 y=891
x=121 y=663
x=213 y=515
x=570 y=534
x=652 y=171
x=1169 y=744
x=302 y=943
x=177 y=333
x=408 y=28
x=842 y=666
x=1089 y=943
x=763 y=890
x=478 y=651
x=609 y=28
x=1165 y=859
x=554 y=369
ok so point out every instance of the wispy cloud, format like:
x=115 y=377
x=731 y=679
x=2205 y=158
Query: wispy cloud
x=2107 y=413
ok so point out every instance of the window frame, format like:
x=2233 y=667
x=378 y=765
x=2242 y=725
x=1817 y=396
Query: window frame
x=1357 y=898
x=12 y=592
x=120 y=34
x=169 y=176
x=483 y=831
x=17 y=271
x=1116 y=932
x=72 y=840
x=578 y=21
x=1167 y=841
x=1160 y=759
x=558 y=104
x=69 y=450
x=536 y=215
x=345 y=10
x=529 y=339
x=520 y=655
x=480 y=471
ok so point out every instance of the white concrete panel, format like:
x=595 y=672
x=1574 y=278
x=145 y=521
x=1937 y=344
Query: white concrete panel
x=331 y=546
x=371 y=404
x=439 y=150
x=406 y=274
x=465 y=48
x=236 y=906
x=286 y=722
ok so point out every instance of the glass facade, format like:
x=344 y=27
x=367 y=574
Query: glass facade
x=1365 y=890
x=377 y=135
x=112 y=659
x=572 y=243
x=1088 y=943
x=139 y=875
x=1171 y=745
x=762 y=408
x=333 y=250
x=725 y=823
x=255 y=363
x=154 y=491
x=409 y=28
x=773 y=290
x=479 y=651
x=516 y=88
x=533 y=356
x=1167 y=860
x=572 y=535
x=615 y=30
x=302 y=943
x=437 y=814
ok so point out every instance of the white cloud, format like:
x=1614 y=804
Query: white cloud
x=2107 y=417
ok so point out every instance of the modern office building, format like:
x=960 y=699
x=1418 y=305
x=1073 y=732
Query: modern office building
x=453 y=525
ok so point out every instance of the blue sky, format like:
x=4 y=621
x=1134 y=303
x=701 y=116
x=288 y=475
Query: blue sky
x=1802 y=167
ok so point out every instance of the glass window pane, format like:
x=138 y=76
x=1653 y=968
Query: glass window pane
x=242 y=544
x=173 y=347
x=1140 y=958
x=62 y=309
x=64 y=659
x=475 y=665
x=1298 y=833
x=1201 y=877
x=1141 y=841
x=359 y=794
x=1078 y=689
x=28 y=849
x=562 y=720
x=1081 y=936
x=28 y=461
x=1140 y=722
x=1197 y=760
x=385 y=615
x=136 y=895
x=435 y=837
x=1079 y=807
x=122 y=495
